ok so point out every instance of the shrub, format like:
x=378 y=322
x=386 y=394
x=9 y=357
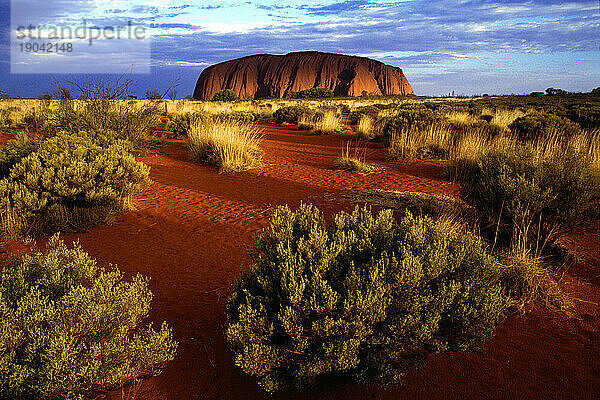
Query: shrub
x=240 y=116
x=5 y=120
x=180 y=124
x=230 y=145
x=528 y=200
x=420 y=119
x=370 y=111
x=586 y=115
x=314 y=93
x=69 y=329
x=69 y=182
x=540 y=126
x=291 y=114
x=225 y=95
x=363 y=297
x=14 y=151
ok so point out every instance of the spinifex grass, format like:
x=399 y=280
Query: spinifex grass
x=230 y=145
x=355 y=160
x=330 y=123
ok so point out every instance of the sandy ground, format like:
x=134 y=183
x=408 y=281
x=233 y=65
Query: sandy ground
x=190 y=233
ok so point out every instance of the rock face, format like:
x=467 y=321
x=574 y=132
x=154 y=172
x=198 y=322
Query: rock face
x=265 y=76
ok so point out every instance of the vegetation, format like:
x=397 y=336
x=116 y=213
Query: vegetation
x=365 y=297
x=291 y=114
x=230 y=145
x=355 y=161
x=314 y=93
x=69 y=330
x=225 y=95
x=528 y=200
x=66 y=182
x=541 y=126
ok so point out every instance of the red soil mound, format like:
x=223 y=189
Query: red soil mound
x=190 y=233
x=266 y=75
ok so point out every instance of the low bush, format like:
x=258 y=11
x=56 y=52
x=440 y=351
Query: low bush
x=314 y=93
x=541 y=126
x=239 y=116
x=531 y=201
x=5 y=120
x=69 y=330
x=13 y=152
x=291 y=114
x=225 y=95
x=69 y=182
x=365 y=297
x=586 y=115
x=179 y=123
x=418 y=118
x=230 y=145
x=370 y=111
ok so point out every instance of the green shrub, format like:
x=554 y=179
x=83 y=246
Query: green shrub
x=291 y=114
x=225 y=95
x=357 y=114
x=14 y=151
x=540 y=126
x=65 y=175
x=364 y=297
x=69 y=330
x=528 y=200
x=239 y=116
x=314 y=93
x=180 y=124
x=5 y=120
x=419 y=119
x=586 y=115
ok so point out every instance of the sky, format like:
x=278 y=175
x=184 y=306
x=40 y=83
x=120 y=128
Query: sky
x=443 y=46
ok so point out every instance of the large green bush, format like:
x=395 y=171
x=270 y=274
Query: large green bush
x=541 y=126
x=365 y=297
x=531 y=200
x=65 y=176
x=69 y=330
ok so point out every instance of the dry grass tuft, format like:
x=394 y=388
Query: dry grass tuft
x=232 y=146
x=355 y=161
x=330 y=123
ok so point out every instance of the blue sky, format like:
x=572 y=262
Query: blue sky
x=469 y=47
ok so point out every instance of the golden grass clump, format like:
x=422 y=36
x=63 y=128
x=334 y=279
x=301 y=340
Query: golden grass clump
x=355 y=160
x=412 y=143
x=230 y=145
x=330 y=123
x=503 y=118
x=366 y=127
x=461 y=118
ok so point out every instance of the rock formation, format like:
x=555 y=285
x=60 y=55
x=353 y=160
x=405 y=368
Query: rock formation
x=265 y=76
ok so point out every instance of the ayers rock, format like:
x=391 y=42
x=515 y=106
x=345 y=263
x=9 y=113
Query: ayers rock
x=266 y=75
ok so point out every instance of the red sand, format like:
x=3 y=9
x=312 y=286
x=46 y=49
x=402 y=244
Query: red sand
x=190 y=233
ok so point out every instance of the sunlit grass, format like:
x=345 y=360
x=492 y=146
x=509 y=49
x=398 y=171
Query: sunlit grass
x=230 y=145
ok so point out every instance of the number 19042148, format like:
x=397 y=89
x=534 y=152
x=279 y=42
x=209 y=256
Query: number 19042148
x=46 y=47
